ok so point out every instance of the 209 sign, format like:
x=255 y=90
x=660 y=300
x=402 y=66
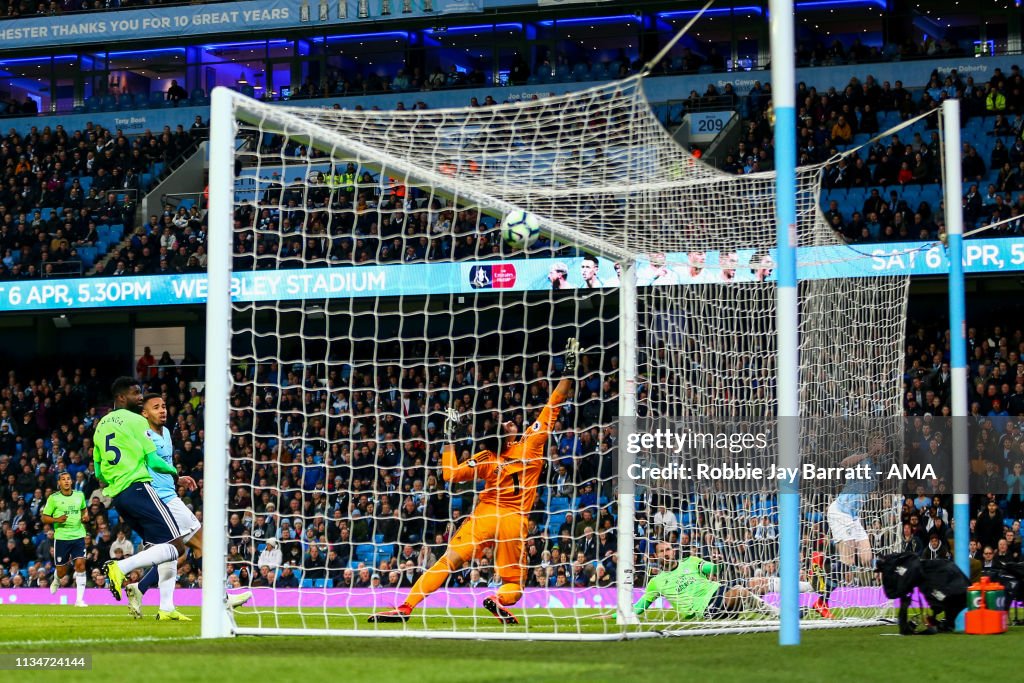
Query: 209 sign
x=705 y=126
x=709 y=125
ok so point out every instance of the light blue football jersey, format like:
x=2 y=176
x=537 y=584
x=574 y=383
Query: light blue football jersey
x=163 y=483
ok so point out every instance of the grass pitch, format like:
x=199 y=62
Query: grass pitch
x=124 y=649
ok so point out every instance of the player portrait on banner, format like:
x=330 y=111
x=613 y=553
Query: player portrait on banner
x=694 y=271
x=589 y=272
x=558 y=276
x=656 y=272
x=761 y=266
x=727 y=262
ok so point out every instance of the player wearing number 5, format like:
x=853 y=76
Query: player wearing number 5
x=123 y=457
x=510 y=488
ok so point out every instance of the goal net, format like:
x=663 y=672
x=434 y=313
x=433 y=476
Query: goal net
x=370 y=292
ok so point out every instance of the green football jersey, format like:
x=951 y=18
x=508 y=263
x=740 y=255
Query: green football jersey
x=58 y=505
x=686 y=587
x=121 y=450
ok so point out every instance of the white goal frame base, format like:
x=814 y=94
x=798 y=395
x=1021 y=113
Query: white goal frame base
x=711 y=628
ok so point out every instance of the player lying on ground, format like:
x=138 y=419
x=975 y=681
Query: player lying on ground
x=65 y=510
x=844 y=522
x=689 y=588
x=164 y=575
x=501 y=513
x=124 y=457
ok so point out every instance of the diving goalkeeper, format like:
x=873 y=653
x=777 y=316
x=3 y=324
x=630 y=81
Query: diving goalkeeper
x=502 y=511
x=693 y=594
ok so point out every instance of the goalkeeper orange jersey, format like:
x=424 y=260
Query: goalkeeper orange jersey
x=510 y=479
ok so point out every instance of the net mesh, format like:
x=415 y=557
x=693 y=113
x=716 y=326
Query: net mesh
x=386 y=296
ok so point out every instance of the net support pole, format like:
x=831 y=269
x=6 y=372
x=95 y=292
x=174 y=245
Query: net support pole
x=216 y=622
x=957 y=336
x=626 y=494
x=787 y=312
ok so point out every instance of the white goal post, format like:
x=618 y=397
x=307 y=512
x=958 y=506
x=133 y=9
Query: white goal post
x=373 y=294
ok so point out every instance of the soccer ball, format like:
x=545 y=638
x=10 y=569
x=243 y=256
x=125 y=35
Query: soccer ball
x=520 y=229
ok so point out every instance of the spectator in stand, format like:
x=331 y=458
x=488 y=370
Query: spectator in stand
x=936 y=548
x=122 y=544
x=989 y=526
x=145 y=368
x=972 y=165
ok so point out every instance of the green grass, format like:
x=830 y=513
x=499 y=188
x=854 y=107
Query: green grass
x=127 y=650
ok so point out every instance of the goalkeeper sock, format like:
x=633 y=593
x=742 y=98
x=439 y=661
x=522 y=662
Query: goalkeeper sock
x=162 y=552
x=149 y=580
x=79 y=586
x=431 y=580
x=168 y=573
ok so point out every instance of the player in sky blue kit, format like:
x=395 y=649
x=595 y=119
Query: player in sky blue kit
x=844 y=522
x=154 y=409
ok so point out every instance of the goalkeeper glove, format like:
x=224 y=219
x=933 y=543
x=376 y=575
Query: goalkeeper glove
x=572 y=353
x=455 y=425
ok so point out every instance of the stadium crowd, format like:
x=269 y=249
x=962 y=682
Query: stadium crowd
x=61 y=190
x=888 y=188
x=351 y=495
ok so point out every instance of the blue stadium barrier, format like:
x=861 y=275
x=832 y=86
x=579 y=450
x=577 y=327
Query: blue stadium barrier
x=378 y=538
x=320 y=583
x=307 y=583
